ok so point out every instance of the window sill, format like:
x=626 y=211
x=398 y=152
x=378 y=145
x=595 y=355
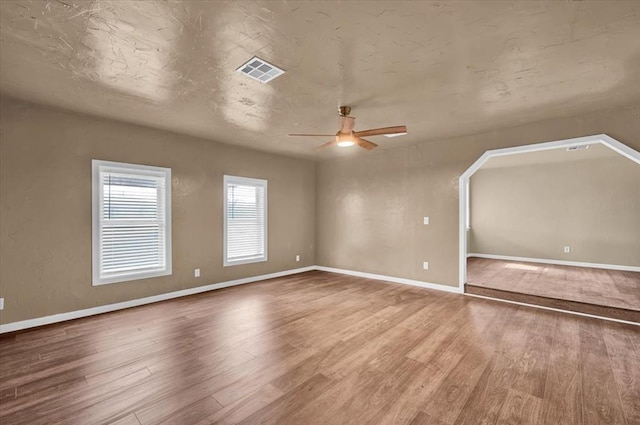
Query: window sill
x=245 y=261
x=130 y=277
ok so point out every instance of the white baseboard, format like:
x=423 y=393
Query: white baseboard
x=557 y=262
x=55 y=318
x=61 y=317
x=47 y=320
x=577 y=313
x=421 y=284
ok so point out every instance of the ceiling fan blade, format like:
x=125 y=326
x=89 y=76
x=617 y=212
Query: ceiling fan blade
x=346 y=124
x=312 y=135
x=380 y=131
x=364 y=143
x=326 y=145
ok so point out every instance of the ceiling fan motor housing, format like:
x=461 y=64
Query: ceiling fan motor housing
x=344 y=137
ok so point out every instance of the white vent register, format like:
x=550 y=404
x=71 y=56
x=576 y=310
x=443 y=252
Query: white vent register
x=260 y=70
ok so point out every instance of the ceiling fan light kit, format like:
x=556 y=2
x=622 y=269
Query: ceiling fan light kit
x=346 y=137
x=344 y=140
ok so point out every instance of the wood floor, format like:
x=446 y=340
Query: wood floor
x=323 y=348
x=610 y=288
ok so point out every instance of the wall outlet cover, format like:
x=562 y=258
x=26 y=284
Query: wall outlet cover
x=1 y=303
x=196 y=273
x=425 y=265
x=297 y=258
x=567 y=249
x=425 y=220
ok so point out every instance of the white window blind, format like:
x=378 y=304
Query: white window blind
x=131 y=222
x=245 y=220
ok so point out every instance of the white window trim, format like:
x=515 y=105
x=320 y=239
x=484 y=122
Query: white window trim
x=96 y=208
x=252 y=182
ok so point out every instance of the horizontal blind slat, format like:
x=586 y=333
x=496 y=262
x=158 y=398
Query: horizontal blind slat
x=132 y=235
x=245 y=221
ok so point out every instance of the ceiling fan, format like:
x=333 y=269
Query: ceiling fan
x=346 y=137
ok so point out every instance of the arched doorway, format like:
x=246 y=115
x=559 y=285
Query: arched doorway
x=464 y=212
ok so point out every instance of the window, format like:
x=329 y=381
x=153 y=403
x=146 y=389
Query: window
x=131 y=222
x=245 y=220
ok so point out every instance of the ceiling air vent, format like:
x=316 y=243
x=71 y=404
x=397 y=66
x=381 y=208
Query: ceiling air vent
x=577 y=148
x=260 y=70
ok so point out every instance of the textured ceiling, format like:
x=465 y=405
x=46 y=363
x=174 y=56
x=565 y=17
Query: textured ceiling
x=595 y=151
x=442 y=68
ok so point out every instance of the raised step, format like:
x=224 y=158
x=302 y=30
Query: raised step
x=580 y=307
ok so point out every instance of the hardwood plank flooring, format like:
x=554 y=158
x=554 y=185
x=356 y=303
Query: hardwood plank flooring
x=608 y=288
x=323 y=348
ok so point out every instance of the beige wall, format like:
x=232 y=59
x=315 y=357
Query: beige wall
x=45 y=213
x=370 y=207
x=535 y=210
x=365 y=211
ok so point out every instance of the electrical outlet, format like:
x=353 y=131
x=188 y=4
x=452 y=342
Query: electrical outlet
x=567 y=249
x=196 y=273
x=425 y=220
x=425 y=265
x=1 y=303
x=297 y=258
